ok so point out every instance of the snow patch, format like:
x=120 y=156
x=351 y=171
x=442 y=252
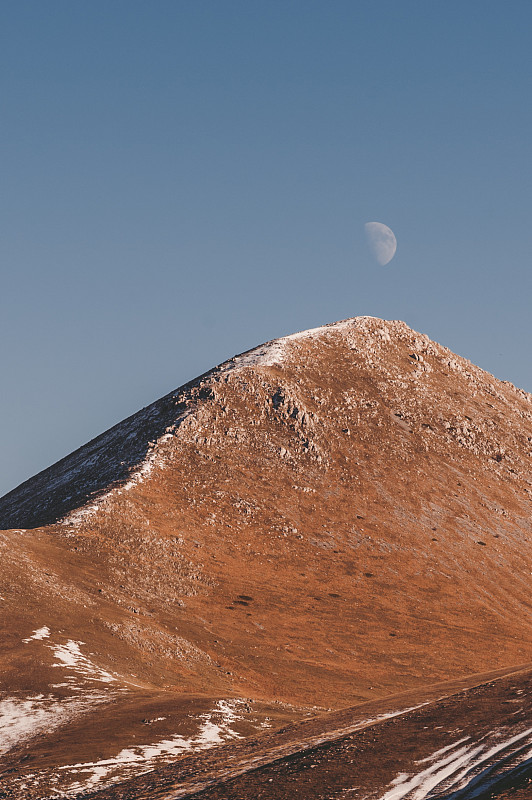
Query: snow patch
x=22 y=719
x=473 y=766
x=40 y=633
x=80 y=514
x=215 y=728
x=70 y=655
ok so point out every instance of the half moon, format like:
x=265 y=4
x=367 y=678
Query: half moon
x=381 y=241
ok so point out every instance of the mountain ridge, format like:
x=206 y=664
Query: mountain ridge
x=160 y=417
x=336 y=517
x=163 y=411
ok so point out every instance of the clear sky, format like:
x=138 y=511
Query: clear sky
x=181 y=181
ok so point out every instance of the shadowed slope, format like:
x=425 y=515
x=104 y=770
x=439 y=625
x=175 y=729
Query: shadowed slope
x=124 y=452
x=108 y=460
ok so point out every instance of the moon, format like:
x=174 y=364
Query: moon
x=381 y=241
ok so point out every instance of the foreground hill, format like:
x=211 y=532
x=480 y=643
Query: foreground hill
x=327 y=520
x=455 y=741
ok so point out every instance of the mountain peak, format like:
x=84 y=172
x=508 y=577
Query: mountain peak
x=386 y=351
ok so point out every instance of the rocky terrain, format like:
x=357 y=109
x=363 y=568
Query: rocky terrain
x=328 y=536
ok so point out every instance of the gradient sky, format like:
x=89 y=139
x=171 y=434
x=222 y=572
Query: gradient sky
x=181 y=181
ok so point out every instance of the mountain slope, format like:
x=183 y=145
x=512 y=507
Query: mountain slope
x=333 y=517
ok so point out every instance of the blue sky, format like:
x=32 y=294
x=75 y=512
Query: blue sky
x=181 y=181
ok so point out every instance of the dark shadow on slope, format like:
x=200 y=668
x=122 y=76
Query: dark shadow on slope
x=488 y=786
x=106 y=461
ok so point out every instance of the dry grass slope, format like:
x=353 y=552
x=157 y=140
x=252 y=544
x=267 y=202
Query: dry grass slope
x=330 y=519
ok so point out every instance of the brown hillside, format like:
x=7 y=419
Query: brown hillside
x=334 y=517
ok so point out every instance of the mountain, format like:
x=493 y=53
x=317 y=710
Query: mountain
x=337 y=518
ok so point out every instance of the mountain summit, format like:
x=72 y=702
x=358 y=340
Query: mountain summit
x=329 y=519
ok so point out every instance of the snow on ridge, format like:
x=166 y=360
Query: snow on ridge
x=272 y=352
x=267 y=354
x=120 y=458
x=143 y=471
